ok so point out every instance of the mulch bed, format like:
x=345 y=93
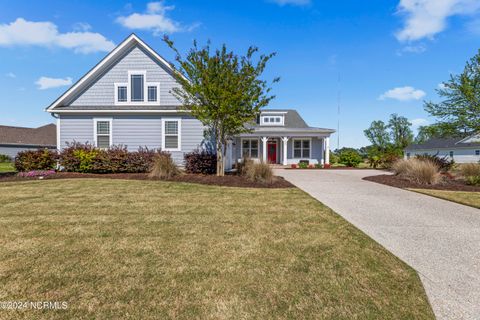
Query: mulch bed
x=228 y=180
x=446 y=184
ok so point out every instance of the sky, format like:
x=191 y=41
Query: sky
x=371 y=57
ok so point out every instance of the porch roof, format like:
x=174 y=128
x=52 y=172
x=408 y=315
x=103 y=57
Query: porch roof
x=289 y=132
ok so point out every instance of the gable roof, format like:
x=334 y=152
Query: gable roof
x=44 y=136
x=103 y=65
x=443 y=143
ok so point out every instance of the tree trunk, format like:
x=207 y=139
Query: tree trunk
x=220 y=164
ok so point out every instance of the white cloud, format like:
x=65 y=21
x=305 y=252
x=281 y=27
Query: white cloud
x=28 y=33
x=403 y=94
x=418 y=122
x=10 y=75
x=426 y=18
x=48 y=83
x=415 y=49
x=154 y=19
x=292 y=2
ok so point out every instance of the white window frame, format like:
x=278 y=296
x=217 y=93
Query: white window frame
x=179 y=134
x=95 y=120
x=128 y=84
x=301 y=148
x=270 y=117
x=250 y=149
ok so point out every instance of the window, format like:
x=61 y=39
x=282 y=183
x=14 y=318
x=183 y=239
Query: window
x=477 y=152
x=103 y=132
x=122 y=93
x=171 y=135
x=136 y=83
x=152 y=93
x=408 y=155
x=272 y=120
x=451 y=154
x=250 y=148
x=301 y=148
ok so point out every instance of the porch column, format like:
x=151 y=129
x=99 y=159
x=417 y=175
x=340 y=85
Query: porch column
x=284 y=160
x=264 y=151
x=327 y=150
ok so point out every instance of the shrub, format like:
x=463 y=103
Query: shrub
x=36 y=173
x=200 y=162
x=163 y=166
x=444 y=164
x=87 y=159
x=293 y=166
x=303 y=165
x=243 y=165
x=5 y=158
x=350 y=158
x=333 y=157
x=419 y=171
x=471 y=173
x=259 y=172
x=41 y=159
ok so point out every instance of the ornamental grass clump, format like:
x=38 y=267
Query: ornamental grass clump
x=418 y=171
x=163 y=166
x=259 y=172
x=471 y=173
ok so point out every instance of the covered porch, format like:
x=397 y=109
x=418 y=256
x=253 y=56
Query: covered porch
x=280 y=149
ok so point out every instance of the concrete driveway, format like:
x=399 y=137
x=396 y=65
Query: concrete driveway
x=439 y=239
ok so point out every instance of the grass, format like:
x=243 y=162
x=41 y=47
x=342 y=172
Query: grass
x=6 y=167
x=467 y=198
x=116 y=249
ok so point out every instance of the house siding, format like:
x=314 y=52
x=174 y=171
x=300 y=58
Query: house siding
x=133 y=131
x=12 y=151
x=102 y=91
x=460 y=155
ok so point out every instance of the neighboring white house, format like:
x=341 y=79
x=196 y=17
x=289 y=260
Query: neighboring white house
x=461 y=150
x=127 y=99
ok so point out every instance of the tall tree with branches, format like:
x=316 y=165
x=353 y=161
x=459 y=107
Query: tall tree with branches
x=459 y=112
x=222 y=89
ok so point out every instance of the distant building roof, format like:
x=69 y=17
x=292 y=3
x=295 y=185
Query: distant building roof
x=445 y=143
x=44 y=136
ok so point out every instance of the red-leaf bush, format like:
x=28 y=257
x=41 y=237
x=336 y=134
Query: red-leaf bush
x=200 y=161
x=86 y=158
x=41 y=159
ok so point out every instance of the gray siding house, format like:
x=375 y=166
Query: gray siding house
x=16 y=139
x=126 y=99
x=466 y=150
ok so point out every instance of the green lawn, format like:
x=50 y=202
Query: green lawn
x=468 y=198
x=6 y=167
x=116 y=249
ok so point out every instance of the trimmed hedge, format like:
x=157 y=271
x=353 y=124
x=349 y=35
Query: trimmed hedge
x=41 y=159
x=85 y=158
x=200 y=162
x=5 y=158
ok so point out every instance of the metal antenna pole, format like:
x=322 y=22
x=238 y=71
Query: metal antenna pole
x=338 y=111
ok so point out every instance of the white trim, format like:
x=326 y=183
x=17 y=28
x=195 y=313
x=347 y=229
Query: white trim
x=250 y=150
x=273 y=112
x=58 y=134
x=118 y=111
x=309 y=149
x=128 y=84
x=95 y=120
x=179 y=134
x=132 y=38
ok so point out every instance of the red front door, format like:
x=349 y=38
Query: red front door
x=272 y=152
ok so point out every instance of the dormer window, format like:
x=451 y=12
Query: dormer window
x=137 y=91
x=272 y=120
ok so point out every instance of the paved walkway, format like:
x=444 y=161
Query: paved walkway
x=438 y=238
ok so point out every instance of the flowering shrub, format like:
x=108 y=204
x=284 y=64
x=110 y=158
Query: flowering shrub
x=293 y=166
x=86 y=158
x=327 y=166
x=41 y=159
x=36 y=173
x=200 y=162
